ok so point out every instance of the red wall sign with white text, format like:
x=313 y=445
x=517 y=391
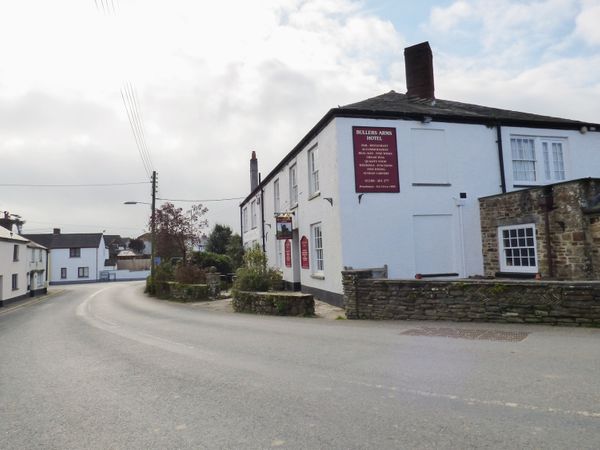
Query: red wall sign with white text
x=288 y=253
x=304 y=256
x=375 y=159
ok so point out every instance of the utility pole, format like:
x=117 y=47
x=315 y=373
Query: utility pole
x=153 y=225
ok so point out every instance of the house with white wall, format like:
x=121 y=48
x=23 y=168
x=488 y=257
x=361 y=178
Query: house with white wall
x=13 y=267
x=37 y=267
x=74 y=257
x=394 y=181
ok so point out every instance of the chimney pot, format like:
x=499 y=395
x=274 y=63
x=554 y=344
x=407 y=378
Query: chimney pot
x=56 y=231
x=418 y=61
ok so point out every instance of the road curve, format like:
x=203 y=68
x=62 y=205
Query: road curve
x=103 y=366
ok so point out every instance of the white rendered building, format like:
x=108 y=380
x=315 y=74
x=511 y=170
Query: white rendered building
x=394 y=181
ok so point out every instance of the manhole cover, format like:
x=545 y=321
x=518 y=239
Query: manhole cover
x=468 y=333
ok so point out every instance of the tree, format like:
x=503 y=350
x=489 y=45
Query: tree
x=178 y=231
x=218 y=239
x=235 y=251
x=137 y=245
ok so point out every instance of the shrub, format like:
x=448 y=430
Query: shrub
x=189 y=274
x=255 y=275
x=207 y=259
x=162 y=273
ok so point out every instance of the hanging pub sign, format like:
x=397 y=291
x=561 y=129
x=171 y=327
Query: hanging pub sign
x=375 y=159
x=288 y=253
x=304 y=256
x=283 y=224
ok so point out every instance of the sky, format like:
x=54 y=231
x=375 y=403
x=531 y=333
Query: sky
x=214 y=81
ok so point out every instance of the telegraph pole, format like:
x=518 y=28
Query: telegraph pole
x=153 y=225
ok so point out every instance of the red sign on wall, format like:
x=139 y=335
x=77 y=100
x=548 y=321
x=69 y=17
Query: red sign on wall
x=288 y=253
x=304 y=252
x=375 y=159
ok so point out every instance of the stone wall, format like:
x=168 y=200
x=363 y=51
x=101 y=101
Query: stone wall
x=171 y=290
x=545 y=302
x=574 y=233
x=274 y=303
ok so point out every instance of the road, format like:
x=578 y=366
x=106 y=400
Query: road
x=101 y=366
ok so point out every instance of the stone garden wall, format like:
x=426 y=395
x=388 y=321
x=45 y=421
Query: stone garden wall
x=274 y=303
x=545 y=302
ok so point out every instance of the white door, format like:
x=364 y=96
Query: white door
x=434 y=245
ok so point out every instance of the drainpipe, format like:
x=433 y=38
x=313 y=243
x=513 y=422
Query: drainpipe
x=547 y=204
x=501 y=157
x=262 y=213
x=242 y=224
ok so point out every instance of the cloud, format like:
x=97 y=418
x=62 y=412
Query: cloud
x=587 y=23
x=445 y=19
x=214 y=82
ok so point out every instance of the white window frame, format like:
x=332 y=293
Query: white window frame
x=313 y=171
x=276 y=196
x=253 y=214
x=512 y=243
x=545 y=163
x=317 y=254
x=83 y=272
x=293 y=185
x=245 y=218
x=75 y=252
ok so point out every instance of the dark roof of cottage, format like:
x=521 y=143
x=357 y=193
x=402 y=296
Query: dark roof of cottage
x=67 y=240
x=113 y=239
x=393 y=105
x=394 y=102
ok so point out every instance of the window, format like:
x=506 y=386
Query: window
x=16 y=252
x=245 y=219
x=537 y=160
x=63 y=273
x=317 y=244
x=75 y=252
x=517 y=246
x=83 y=272
x=253 y=214
x=313 y=170
x=40 y=255
x=276 y=196
x=293 y=186
x=15 y=281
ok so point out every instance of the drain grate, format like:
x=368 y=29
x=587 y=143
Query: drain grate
x=468 y=333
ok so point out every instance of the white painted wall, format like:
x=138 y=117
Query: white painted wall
x=93 y=258
x=393 y=228
x=8 y=267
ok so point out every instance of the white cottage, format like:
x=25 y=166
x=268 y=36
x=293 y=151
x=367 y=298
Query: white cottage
x=393 y=181
x=74 y=257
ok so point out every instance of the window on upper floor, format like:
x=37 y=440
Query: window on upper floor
x=245 y=219
x=74 y=252
x=253 y=214
x=537 y=160
x=313 y=170
x=517 y=245
x=276 y=198
x=293 y=186
x=16 y=252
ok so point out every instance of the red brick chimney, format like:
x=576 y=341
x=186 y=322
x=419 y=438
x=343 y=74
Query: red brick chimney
x=418 y=61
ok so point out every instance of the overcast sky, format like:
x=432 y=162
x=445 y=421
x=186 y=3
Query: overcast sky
x=216 y=80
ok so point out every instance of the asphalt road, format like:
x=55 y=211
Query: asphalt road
x=101 y=366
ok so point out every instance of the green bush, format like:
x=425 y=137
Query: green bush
x=205 y=260
x=255 y=275
x=162 y=273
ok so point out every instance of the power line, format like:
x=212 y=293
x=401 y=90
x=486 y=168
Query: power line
x=136 y=135
x=200 y=201
x=73 y=185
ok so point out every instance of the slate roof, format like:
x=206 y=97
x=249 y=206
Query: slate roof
x=7 y=235
x=66 y=240
x=402 y=104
